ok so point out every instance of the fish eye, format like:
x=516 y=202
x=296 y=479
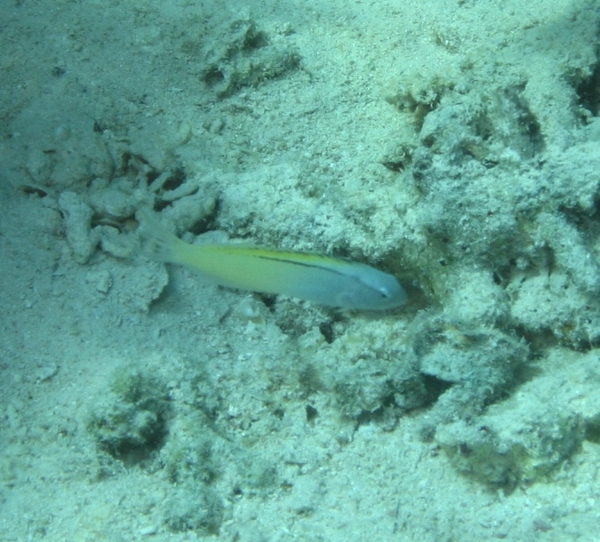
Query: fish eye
x=385 y=293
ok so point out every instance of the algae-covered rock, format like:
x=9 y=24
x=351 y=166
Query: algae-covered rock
x=189 y=452
x=245 y=56
x=130 y=422
x=193 y=507
x=476 y=363
x=527 y=436
x=369 y=371
x=512 y=443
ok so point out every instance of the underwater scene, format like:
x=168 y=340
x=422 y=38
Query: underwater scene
x=300 y=270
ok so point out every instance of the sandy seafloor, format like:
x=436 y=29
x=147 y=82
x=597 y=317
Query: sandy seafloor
x=453 y=143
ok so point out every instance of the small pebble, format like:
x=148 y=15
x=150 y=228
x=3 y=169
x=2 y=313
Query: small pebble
x=46 y=372
x=101 y=279
x=148 y=530
x=250 y=310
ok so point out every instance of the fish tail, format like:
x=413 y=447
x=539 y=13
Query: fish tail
x=156 y=242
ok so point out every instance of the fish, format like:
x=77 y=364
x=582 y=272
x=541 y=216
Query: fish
x=321 y=279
